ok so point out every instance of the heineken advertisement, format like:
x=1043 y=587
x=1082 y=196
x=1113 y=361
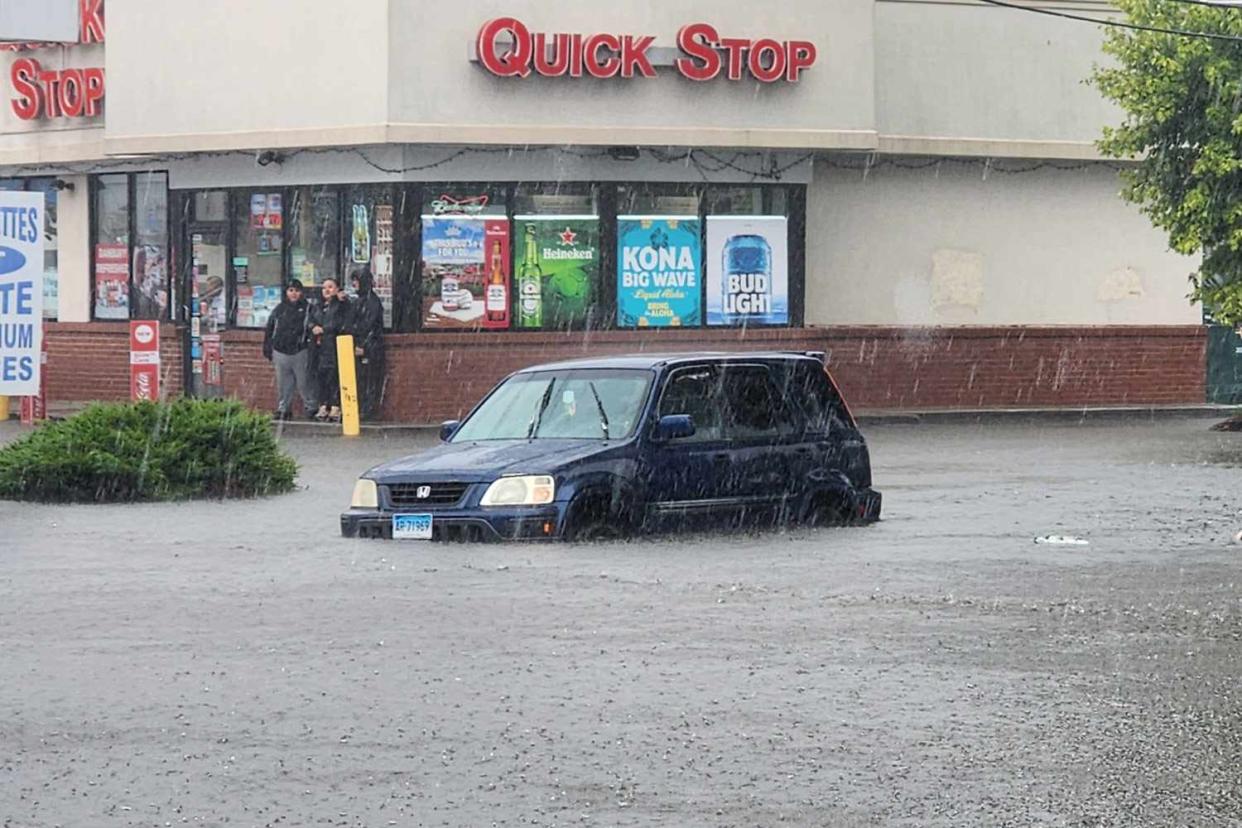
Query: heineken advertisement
x=659 y=260
x=747 y=270
x=557 y=259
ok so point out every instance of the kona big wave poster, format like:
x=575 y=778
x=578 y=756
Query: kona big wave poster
x=659 y=260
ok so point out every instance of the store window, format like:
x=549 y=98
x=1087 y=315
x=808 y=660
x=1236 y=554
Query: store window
x=556 y=232
x=314 y=235
x=111 y=246
x=747 y=252
x=151 y=271
x=257 y=263
x=51 y=256
x=130 y=218
x=465 y=258
x=370 y=240
x=659 y=256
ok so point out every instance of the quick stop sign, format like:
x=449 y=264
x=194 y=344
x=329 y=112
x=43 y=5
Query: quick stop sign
x=144 y=360
x=507 y=48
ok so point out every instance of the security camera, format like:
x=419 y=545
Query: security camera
x=268 y=157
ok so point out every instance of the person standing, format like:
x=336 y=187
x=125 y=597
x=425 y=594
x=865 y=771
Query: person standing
x=331 y=319
x=286 y=344
x=368 y=344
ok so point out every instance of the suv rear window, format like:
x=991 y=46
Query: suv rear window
x=820 y=400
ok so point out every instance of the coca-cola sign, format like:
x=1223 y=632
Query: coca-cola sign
x=507 y=48
x=144 y=360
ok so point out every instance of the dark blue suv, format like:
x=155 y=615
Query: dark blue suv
x=623 y=445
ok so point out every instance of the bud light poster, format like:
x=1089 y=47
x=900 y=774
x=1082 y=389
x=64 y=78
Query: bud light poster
x=747 y=270
x=659 y=260
x=557 y=269
x=21 y=292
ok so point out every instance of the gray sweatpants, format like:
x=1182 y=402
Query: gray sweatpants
x=293 y=373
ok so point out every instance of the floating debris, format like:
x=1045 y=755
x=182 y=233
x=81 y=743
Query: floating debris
x=1062 y=540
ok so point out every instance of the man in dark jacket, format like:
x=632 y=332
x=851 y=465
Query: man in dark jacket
x=368 y=344
x=333 y=318
x=286 y=343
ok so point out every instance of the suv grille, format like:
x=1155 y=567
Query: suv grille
x=437 y=494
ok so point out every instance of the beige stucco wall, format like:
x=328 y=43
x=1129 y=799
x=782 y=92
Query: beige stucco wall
x=985 y=80
x=901 y=77
x=240 y=73
x=950 y=246
x=832 y=105
x=74 y=243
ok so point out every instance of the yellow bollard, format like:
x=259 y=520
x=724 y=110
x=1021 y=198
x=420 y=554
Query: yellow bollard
x=4 y=408
x=349 y=385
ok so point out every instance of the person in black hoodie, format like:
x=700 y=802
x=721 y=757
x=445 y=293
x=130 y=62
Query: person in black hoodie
x=286 y=344
x=335 y=317
x=368 y=344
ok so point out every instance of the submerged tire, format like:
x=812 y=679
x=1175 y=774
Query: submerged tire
x=594 y=520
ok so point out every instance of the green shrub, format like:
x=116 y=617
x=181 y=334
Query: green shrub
x=121 y=452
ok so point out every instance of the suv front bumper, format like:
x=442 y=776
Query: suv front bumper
x=473 y=525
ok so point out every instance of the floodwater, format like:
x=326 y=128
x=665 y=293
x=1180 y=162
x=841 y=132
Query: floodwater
x=241 y=664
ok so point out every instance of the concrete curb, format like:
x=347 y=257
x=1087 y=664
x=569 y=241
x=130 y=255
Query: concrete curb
x=304 y=428
x=296 y=428
x=1100 y=414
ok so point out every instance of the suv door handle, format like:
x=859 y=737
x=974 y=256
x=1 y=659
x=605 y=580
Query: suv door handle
x=721 y=457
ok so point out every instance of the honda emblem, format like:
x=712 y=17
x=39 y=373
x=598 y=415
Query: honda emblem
x=422 y=492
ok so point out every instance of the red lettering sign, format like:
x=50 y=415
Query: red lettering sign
x=92 y=21
x=507 y=48
x=50 y=93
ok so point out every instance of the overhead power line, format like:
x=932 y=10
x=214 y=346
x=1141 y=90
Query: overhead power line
x=1121 y=25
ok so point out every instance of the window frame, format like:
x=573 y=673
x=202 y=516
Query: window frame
x=408 y=200
x=171 y=277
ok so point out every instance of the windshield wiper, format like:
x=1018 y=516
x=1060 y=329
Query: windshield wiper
x=603 y=418
x=543 y=405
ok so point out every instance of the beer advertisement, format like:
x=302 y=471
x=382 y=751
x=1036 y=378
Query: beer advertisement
x=747 y=270
x=465 y=272
x=383 y=259
x=659 y=261
x=557 y=268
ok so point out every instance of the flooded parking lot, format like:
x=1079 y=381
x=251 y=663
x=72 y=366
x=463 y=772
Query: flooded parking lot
x=240 y=663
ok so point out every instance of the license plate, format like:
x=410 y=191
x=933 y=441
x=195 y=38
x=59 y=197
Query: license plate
x=411 y=527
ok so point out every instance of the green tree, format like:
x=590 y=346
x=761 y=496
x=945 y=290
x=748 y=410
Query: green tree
x=1182 y=98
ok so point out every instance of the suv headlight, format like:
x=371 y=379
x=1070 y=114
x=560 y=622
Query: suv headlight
x=366 y=495
x=528 y=490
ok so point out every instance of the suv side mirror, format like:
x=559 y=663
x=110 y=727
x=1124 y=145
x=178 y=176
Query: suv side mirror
x=673 y=426
x=448 y=429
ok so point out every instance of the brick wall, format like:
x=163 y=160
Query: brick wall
x=90 y=361
x=433 y=377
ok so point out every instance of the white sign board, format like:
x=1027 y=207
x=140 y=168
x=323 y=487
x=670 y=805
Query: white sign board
x=21 y=292
x=53 y=21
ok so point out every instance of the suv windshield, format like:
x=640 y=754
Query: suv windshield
x=585 y=404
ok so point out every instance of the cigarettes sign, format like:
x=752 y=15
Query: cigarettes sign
x=507 y=48
x=21 y=292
